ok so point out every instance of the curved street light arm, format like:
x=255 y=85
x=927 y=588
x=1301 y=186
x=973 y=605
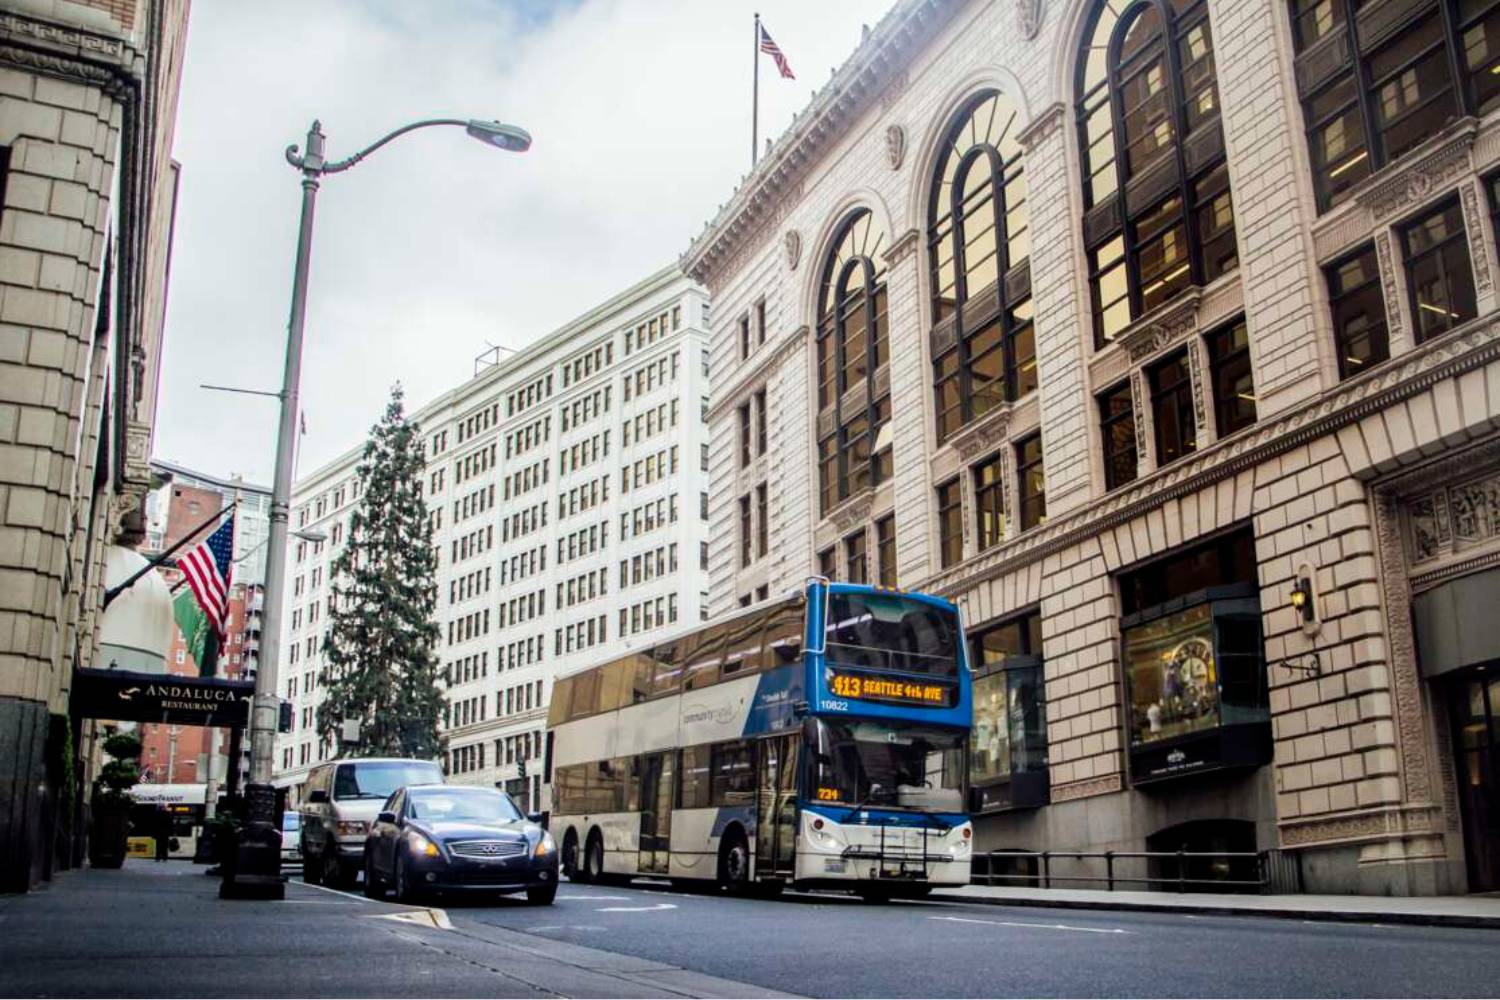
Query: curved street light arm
x=312 y=161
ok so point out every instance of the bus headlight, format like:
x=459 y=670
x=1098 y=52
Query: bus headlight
x=420 y=845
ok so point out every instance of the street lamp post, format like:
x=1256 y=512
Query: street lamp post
x=258 y=863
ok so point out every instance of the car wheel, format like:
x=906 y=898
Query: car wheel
x=372 y=884
x=542 y=895
x=734 y=865
x=406 y=892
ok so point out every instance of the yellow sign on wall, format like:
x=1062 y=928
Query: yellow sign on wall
x=141 y=847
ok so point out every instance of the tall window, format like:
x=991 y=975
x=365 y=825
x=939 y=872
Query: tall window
x=760 y=422
x=1117 y=428
x=745 y=438
x=1359 y=328
x=950 y=523
x=989 y=505
x=1438 y=276
x=1234 y=390
x=1159 y=213
x=828 y=564
x=1032 y=501
x=885 y=544
x=855 y=558
x=854 y=411
x=746 y=545
x=1172 y=408
x=762 y=521
x=984 y=350
x=1370 y=95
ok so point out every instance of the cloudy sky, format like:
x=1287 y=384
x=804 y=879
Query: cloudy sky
x=438 y=246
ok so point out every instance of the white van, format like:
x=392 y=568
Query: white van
x=342 y=799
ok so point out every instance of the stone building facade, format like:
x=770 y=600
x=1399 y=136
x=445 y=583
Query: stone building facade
x=88 y=94
x=1177 y=365
x=567 y=490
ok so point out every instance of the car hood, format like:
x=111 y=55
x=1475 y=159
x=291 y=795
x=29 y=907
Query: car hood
x=464 y=830
x=357 y=810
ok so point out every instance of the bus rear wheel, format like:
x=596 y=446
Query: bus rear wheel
x=734 y=865
x=593 y=859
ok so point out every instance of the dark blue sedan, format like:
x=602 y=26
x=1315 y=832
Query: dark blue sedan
x=456 y=838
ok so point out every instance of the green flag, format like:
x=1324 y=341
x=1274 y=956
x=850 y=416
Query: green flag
x=192 y=622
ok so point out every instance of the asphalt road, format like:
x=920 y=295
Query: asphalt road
x=831 y=945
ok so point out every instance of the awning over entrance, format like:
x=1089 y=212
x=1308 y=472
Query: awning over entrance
x=135 y=697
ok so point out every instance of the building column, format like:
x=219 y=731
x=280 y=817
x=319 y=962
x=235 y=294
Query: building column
x=911 y=415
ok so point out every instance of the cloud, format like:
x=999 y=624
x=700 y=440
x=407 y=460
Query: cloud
x=437 y=245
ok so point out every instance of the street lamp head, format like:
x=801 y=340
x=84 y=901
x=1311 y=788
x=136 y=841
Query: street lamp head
x=311 y=535
x=511 y=138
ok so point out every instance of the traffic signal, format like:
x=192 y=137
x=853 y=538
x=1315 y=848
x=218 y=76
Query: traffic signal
x=284 y=717
x=522 y=765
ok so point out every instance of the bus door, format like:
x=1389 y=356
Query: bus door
x=776 y=800
x=656 y=810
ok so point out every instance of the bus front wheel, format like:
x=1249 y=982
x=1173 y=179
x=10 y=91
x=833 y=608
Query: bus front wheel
x=734 y=864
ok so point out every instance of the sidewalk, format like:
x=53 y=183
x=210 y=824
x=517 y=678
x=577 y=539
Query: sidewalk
x=159 y=930
x=1448 y=911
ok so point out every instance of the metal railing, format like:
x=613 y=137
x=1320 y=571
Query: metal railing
x=1275 y=871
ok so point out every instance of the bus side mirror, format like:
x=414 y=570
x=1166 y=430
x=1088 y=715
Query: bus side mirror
x=317 y=795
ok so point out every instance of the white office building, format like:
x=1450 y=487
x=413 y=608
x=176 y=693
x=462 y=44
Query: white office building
x=567 y=489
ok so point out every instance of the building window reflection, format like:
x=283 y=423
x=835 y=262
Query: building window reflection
x=1008 y=745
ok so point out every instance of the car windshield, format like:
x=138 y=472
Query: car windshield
x=890 y=632
x=891 y=765
x=378 y=779
x=462 y=805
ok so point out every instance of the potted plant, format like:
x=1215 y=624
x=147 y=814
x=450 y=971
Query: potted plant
x=111 y=800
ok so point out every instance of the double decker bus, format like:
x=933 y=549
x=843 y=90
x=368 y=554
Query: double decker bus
x=816 y=741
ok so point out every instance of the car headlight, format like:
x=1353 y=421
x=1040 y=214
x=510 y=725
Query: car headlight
x=421 y=845
x=351 y=828
x=545 y=846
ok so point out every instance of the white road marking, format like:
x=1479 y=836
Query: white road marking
x=429 y=915
x=635 y=909
x=610 y=898
x=1045 y=927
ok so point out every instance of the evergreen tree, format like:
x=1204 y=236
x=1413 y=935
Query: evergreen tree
x=382 y=665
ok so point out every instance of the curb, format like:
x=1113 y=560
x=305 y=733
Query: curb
x=1287 y=913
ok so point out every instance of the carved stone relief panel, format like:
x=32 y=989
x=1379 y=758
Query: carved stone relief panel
x=1201 y=388
x=1453 y=519
x=1138 y=396
x=1474 y=226
x=1395 y=327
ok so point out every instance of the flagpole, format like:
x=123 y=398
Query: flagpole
x=118 y=589
x=755 y=97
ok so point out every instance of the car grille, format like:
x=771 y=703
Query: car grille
x=485 y=849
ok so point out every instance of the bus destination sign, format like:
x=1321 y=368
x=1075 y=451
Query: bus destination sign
x=896 y=690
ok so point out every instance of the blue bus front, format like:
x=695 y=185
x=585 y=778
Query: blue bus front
x=884 y=805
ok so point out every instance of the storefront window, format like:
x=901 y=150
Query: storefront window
x=1174 y=687
x=1008 y=746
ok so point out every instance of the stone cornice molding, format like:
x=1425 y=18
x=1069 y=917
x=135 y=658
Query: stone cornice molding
x=62 y=39
x=761 y=366
x=984 y=435
x=1358 y=825
x=1418 y=174
x=902 y=248
x=1465 y=349
x=871 y=74
x=1041 y=127
x=1162 y=327
x=852 y=512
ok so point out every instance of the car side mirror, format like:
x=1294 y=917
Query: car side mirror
x=317 y=795
x=539 y=819
x=386 y=816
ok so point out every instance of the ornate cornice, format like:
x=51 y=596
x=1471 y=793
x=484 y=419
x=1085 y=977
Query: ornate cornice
x=760 y=368
x=1362 y=825
x=852 y=512
x=984 y=435
x=1412 y=178
x=874 y=73
x=1041 y=127
x=63 y=38
x=1471 y=346
x=1162 y=327
x=1086 y=789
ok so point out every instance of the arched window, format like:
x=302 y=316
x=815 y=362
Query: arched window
x=854 y=394
x=1159 y=216
x=979 y=241
x=1372 y=91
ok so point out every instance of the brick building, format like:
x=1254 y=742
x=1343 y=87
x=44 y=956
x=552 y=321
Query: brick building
x=88 y=94
x=1177 y=365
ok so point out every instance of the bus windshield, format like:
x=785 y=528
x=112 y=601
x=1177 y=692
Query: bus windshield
x=890 y=765
x=892 y=633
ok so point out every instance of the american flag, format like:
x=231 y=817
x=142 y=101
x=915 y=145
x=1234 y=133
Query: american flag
x=774 y=51
x=207 y=568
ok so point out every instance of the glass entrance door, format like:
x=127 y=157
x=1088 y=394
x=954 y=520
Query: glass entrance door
x=776 y=805
x=656 y=812
x=1475 y=711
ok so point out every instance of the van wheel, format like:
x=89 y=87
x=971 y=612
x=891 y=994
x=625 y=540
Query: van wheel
x=312 y=868
x=734 y=864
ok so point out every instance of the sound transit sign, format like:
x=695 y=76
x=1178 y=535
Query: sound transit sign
x=136 y=697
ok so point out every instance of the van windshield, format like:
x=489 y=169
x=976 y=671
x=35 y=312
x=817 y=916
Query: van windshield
x=378 y=779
